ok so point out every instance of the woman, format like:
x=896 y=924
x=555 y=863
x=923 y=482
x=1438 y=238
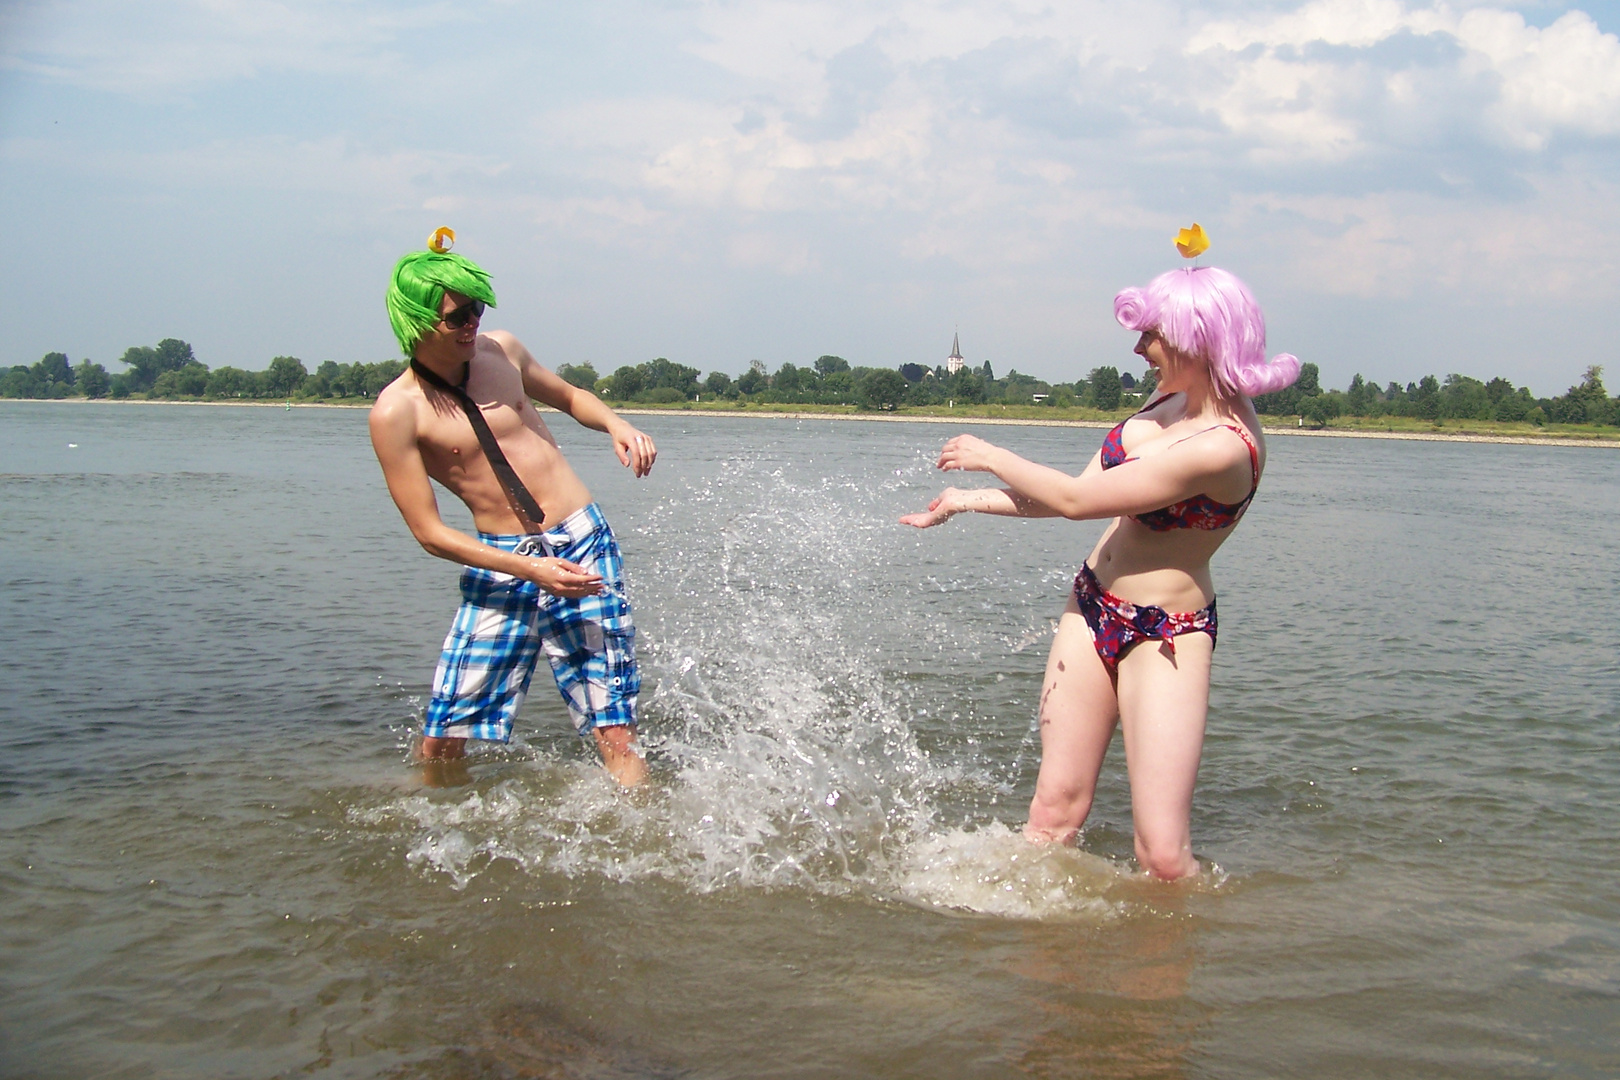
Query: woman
x=1175 y=478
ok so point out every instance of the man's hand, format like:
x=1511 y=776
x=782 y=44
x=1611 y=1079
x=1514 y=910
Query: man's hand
x=562 y=578
x=945 y=505
x=635 y=450
x=968 y=453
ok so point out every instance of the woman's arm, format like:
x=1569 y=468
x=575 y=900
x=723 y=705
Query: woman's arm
x=1179 y=472
x=999 y=501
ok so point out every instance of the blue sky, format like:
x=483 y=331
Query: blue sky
x=1409 y=188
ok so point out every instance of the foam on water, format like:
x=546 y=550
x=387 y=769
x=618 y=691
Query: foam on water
x=783 y=747
x=995 y=871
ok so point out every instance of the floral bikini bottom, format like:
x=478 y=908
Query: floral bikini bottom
x=1117 y=625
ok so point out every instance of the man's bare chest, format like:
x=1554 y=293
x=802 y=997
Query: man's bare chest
x=445 y=432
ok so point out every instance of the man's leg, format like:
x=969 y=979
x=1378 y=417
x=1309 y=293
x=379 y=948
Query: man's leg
x=432 y=749
x=484 y=668
x=590 y=643
x=623 y=762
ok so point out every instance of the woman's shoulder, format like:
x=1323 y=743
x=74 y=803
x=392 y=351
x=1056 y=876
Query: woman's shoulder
x=1225 y=441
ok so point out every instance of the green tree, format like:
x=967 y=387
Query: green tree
x=146 y=364
x=719 y=384
x=787 y=381
x=583 y=375
x=663 y=373
x=187 y=381
x=1426 y=398
x=1105 y=388
x=19 y=382
x=1587 y=403
x=929 y=390
x=829 y=365
x=627 y=383
x=229 y=382
x=377 y=376
x=1318 y=409
x=140 y=362
x=882 y=389
x=284 y=376
x=91 y=379
x=1309 y=382
x=839 y=387
x=54 y=368
x=751 y=381
x=1358 y=399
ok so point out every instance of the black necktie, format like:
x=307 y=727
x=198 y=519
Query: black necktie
x=486 y=438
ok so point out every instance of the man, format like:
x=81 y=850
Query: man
x=545 y=569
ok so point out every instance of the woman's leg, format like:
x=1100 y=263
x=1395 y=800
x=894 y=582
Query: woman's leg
x=1163 y=702
x=1078 y=714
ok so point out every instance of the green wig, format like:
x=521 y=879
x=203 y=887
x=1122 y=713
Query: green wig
x=418 y=287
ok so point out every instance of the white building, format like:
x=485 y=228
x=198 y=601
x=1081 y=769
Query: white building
x=954 y=362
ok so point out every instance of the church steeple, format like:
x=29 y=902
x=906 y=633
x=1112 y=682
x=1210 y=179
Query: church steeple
x=954 y=362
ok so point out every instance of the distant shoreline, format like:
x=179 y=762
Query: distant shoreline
x=777 y=414
x=1339 y=433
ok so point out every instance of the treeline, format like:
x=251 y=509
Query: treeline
x=170 y=370
x=831 y=380
x=1458 y=398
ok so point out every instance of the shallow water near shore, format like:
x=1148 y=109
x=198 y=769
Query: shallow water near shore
x=216 y=862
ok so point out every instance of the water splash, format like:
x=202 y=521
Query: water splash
x=995 y=871
x=781 y=727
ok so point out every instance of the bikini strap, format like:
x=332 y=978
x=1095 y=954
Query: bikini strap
x=1254 y=452
x=1154 y=404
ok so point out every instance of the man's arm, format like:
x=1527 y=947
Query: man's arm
x=393 y=436
x=635 y=449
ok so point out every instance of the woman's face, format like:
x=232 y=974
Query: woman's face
x=1177 y=372
x=1163 y=359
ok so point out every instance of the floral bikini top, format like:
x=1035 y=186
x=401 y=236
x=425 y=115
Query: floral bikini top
x=1198 y=512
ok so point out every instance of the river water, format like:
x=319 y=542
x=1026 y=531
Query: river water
x=215 y=861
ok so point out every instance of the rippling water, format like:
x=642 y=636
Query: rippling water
x=215 y=861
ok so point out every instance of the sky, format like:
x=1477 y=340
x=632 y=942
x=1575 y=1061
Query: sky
x=1409 y=188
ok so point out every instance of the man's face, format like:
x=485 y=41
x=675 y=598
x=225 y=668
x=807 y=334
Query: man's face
x=454 y=342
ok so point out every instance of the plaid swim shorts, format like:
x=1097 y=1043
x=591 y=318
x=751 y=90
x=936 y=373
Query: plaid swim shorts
x=504 y=621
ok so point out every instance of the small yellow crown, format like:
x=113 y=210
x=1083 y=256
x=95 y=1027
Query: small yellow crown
x=1192 y=242
x=444 y=238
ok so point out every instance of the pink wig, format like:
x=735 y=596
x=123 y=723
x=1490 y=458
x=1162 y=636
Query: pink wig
x=1207 y=313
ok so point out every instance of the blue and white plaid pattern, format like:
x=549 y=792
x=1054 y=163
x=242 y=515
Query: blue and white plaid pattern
x=503 y=622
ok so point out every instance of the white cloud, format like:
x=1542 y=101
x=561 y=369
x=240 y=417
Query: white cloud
x=1564 y=77
x=1007 y=149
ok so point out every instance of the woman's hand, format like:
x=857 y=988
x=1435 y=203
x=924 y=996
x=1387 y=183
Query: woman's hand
x=945 y=505
x=968 y=453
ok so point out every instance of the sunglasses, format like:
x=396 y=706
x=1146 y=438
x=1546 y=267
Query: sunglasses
x=466 y=313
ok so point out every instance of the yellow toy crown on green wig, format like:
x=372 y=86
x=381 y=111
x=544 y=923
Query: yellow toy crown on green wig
x=419 y=283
